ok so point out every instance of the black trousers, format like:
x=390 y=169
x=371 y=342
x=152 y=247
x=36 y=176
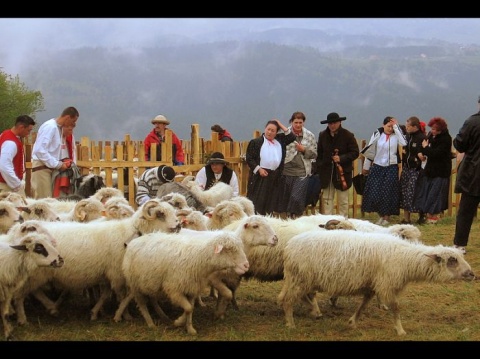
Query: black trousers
x=467 y=209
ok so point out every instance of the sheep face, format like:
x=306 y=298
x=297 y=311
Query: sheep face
x=232 y=249
x=39 y=210
x=41 y=251
x=9 y=216
x=449 y=264
x=20 y=230
x=156 y=215
x=88 y=209
x=257 y=231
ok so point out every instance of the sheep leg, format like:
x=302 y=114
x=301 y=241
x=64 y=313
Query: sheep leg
x=50 y=305
x=368 y=295
x=397 y=323
x=333 y=301
x=105 y=293
x=287 y=297
x=7 y=327
x=189 y=324
x=121 y=307
x=315 y=311
x=224 y=297
x=142 y=307
x=186 y=318
x=159 y=310
x=20 y=310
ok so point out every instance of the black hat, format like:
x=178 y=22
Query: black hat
x=165 y=173
x=333 y=117
x=217 y=157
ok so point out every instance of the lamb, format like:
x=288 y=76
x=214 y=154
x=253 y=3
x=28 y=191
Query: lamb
x=9 y=215
x=177 y=266
x=17 y=263
x=95 y=252
x=213 y=196
x=363 y=263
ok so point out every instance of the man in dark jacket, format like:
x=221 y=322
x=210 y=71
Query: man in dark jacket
x=467 y=143
x=336 y=147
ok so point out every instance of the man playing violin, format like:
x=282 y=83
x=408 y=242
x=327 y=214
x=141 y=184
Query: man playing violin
x=337 y=148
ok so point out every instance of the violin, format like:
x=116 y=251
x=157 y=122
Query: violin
x=340 y=171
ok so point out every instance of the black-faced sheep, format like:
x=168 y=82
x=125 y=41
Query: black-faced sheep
x=363 y=264
x=17 y=263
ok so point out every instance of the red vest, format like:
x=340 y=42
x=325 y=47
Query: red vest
x=8 y=135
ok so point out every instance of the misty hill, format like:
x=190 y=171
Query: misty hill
x=242 y=84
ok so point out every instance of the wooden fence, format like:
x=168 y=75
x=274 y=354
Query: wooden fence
x=122 y=161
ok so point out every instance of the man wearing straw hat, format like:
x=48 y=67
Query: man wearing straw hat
x=157 y=135
x=216 y=170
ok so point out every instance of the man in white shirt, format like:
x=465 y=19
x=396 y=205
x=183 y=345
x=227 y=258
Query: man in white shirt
x=47 y=150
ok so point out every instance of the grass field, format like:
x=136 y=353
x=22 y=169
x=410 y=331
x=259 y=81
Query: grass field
x=430 y=312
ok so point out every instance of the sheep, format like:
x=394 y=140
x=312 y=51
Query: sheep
x=17 y=199
x=178 y=266
x=253 y=231
x=214 y=195
x=88 y=185
x=247 y=204
x=86 y=210
x=266 y=264
x=177 y=200
x=17 y=263
x=115 y=208
x=194 y=220
x=105 y=193
x=9 y=215
x=39 y=210
x=366 y=264
x=95 y=252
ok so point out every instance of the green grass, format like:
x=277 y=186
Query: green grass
x=430 y=312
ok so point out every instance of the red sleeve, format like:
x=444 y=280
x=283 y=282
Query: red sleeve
x=180 y=155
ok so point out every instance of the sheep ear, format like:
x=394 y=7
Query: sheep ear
x=435 y=257
x=24 y=209
x=246 y=225
x=218 y=248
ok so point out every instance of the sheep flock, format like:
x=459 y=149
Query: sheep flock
x=166 y=253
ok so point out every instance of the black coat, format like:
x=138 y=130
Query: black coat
x=439 y=156
x=348 y=150
x=468 y=141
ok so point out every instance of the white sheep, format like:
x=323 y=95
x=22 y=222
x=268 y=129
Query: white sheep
x=247 y=204
x=115 y=210
x=266 y=264
x=17 y=263
x=253 y=231
x=363 y=263
x=105 y=193
x=86 y=210
x=9 y=215
x=41 y=210
x=17 y=199
x=95 y=252
x=214 y=195
x=178 y=266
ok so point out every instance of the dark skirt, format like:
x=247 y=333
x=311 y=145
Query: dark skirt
x=294 y=195
x=382 y=191
x=432 y=194
x=408 y=186
x=264 y=191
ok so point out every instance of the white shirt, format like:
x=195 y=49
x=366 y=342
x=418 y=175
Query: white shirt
x=9 y=151
x=48 y=144
x=201 y=180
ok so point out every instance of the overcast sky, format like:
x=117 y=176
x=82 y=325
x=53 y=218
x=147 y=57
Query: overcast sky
x=21 y=38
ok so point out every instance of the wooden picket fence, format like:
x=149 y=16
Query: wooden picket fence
x=122 y=161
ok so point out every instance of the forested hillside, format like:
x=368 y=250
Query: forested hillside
x=241 y=85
